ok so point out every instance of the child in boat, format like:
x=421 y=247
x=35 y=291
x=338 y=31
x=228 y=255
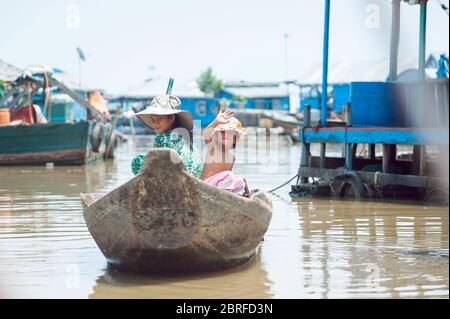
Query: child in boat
x=173 y=129
x=221 y=137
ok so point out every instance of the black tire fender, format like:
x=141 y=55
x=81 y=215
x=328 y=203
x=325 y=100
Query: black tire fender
x=352 y=180
x=96 y=137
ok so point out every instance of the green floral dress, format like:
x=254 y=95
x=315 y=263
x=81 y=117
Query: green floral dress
x=190 y=157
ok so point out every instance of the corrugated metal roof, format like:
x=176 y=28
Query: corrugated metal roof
x=8 y=72
x=231 y=84
x=158 y=86
x=258 y=91
x=352 y=71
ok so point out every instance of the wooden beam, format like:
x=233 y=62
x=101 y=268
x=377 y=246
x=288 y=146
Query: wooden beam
x=380 y=178
x=348 y=115
x=348 y=146
x=354 y=150
x=75 y=156
x=423 y=160
x=399 y=136
x=393 y=153
x=305 y=160
x=416 y=160
x=358 y=163
x=348 y=157
x=389 y=157
x=323 y=151
x=372 y=151
x=419 y=160
x=307 y=116
x=80 y=101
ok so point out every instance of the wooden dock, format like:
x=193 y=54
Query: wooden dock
x=369 y=175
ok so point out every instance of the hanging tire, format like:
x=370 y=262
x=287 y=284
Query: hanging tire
x=349 y=185
x=96 y=137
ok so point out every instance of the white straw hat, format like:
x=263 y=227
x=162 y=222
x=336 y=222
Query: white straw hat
x=167 y=105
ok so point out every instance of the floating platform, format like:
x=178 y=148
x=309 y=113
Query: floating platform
x=417 y=176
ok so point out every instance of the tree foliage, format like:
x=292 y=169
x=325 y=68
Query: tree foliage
x=208 y=83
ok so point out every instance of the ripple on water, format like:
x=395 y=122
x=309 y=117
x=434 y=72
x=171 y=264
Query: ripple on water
x=314 y=248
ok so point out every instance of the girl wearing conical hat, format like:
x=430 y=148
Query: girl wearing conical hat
x=173 y=129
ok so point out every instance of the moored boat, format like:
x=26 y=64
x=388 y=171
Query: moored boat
x=166 y=221
x=46 y=130
x=59 y=143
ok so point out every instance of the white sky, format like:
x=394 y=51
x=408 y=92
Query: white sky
x=240 y=40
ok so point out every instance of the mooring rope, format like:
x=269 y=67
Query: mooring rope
x=275 y=189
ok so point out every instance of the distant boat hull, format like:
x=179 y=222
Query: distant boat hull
x=289 y=123
x=166 y=221
x=58 y=143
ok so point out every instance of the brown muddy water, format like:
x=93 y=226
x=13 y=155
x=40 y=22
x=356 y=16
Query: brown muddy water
x=314 y=248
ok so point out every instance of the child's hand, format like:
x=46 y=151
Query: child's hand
x=224 y=117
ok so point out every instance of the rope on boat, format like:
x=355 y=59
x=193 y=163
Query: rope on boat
x=275 y=189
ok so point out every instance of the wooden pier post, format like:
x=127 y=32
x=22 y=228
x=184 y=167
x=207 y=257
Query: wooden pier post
x=372 y=151
x=354 y=150
x=423 y=160
x=307 y=116
x=348 y=146
x=323 y=151
x=111 y=133
x=305 y=160
x=389 y=157
x=419 y=160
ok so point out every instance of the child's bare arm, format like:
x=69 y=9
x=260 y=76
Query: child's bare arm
x=221 y=118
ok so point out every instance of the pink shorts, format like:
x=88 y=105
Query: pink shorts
x=226 y=180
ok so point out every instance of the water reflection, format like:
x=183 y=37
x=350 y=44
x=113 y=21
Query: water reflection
x=247 y=281
x=313 y=248
x=370 y=249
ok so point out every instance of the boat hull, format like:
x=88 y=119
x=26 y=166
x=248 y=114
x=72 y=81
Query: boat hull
x=58 y=143
x=166 y=221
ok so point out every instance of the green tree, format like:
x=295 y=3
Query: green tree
x=208 y=83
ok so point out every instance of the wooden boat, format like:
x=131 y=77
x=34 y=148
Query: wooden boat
x=166 y=221
x=68 y=143
x=288 y=122
x=59 y=143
